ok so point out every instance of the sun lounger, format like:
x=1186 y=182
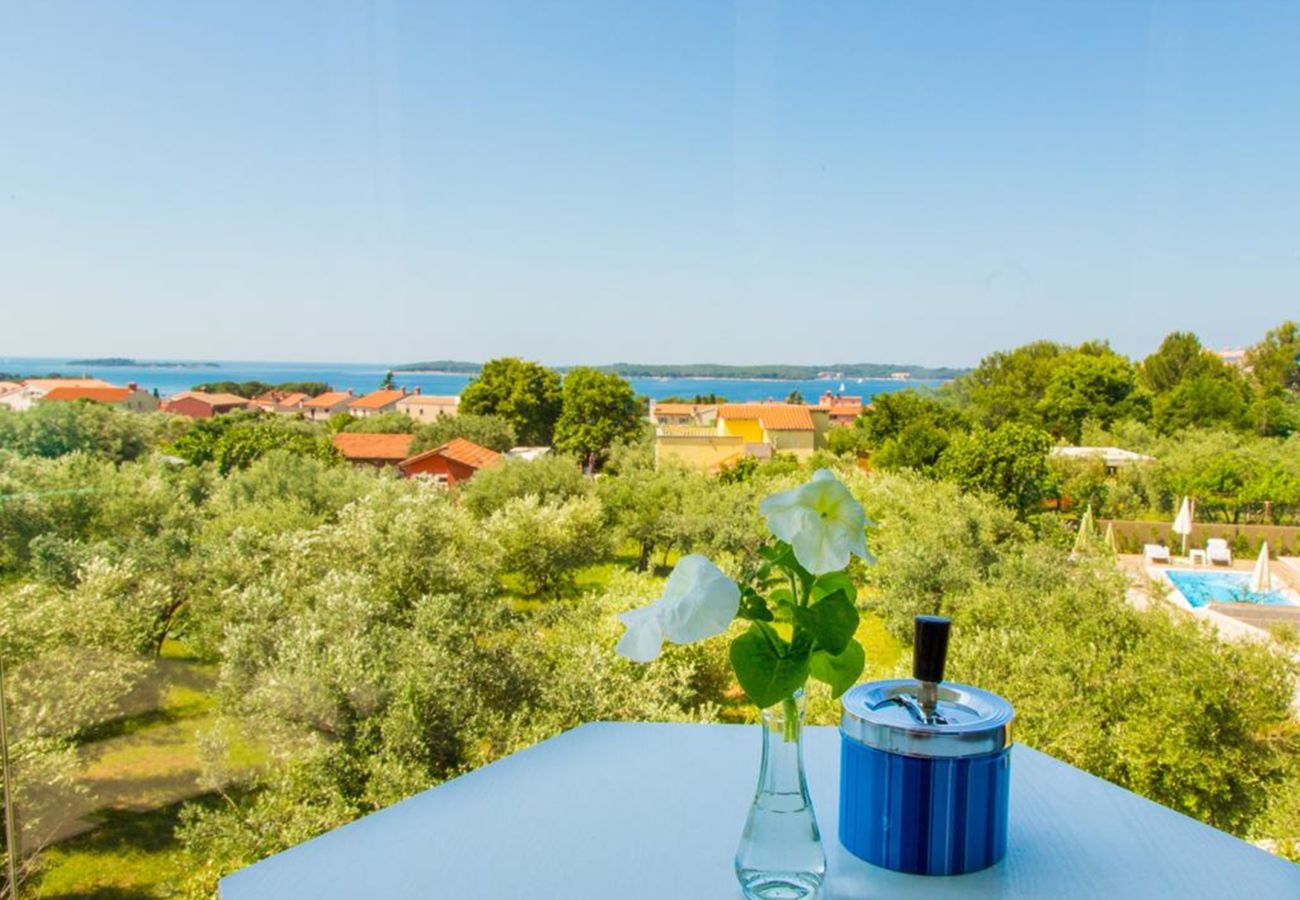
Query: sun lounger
x=1156 y=553
x=1218 y=551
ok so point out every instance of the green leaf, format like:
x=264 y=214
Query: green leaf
x=832 y=621
x=840 y=672
x=766 y=667
x=753 y=606
x=827 y=584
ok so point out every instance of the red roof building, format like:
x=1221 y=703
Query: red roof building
x=376 y=402
x=330 y=403
x=374 y=449
x=203 y=405
x=129 y=397
x=454 y=461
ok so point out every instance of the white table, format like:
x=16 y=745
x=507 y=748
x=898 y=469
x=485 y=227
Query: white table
x=632 y=811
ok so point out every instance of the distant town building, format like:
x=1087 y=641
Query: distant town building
x=841 y=409
x=204 y=405
x=376 y=402
x=453 y=462
x=31 y=390
x=287 y=402
x=1233 y=356
x=900 y=376
x=328 y=404
x=373 y=449
x=427 y=407
x=129 y=398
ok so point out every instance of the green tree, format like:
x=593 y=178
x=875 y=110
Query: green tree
x=891 y=414
x=1203 y=401
x=1275 y=361
x=387 y=384
x=1149 y=700
x=545 y=543
x=1007 y=386
x=1181 y=357
x=599 y=410
x=1008 y=463
x=236 y=440
x=56 y=429
x=525 y=394
x=551 y=478
x=1090 y=383
x=794 y=396
x=493 y=432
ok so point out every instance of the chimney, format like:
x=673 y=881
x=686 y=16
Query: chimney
x=132 y=386
x=403 y=392
x=417 y=389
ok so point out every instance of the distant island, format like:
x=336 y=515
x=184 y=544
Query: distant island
x=774 y=372
x=124 y=362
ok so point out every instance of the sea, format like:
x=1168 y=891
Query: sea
x=169 y=378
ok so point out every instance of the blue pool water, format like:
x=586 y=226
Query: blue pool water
x=1201 y=588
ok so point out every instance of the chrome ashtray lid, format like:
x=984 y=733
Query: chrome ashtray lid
x=884 y=715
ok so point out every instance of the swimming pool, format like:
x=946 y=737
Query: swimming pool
x=1201 y=588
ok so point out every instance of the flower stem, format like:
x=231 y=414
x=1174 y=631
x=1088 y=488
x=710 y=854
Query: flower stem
x=790 y=725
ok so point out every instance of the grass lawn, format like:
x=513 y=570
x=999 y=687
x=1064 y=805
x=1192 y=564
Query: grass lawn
x=140 y=769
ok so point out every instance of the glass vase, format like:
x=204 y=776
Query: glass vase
x=780 y=856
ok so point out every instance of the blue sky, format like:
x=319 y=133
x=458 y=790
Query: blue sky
x=856 y=180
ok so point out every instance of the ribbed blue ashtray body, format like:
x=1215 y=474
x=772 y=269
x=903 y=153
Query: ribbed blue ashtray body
x=932 y=816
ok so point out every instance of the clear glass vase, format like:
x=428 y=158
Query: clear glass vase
x=780 y=856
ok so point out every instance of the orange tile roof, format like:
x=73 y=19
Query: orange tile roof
x=210 y=399
x=462 y=451
x=357 y=445
x=98 y=394
x=772 y=416
x=7 y=386
x=327 y=400
x=376 y=400
x=683 y=409
x=294 y=399
x=47 y=384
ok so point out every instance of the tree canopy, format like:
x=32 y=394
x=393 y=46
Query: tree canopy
x=525 y=394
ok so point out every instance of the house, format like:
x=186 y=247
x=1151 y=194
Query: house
x=373 y=449
x=281 y=401
x=376 y=402
x=700 y=447
x=328 y=404
x=683 y=413
x=1233 y=356
x=1114 y=458
x=527 y=454
x=427 y=407
x=841 y=409
x=743 y=429
x=785 y=427
x=129 y=398
x=203 y=405
x=452 y=462
x=30 y=391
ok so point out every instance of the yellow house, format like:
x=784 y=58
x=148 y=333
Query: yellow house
x=697 y=447
x=782 y=427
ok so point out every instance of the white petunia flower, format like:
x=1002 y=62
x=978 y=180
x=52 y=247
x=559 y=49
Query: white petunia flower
x=698 y=602
x=821 y=521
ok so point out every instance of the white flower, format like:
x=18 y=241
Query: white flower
x=698 y=602
x=821 y=521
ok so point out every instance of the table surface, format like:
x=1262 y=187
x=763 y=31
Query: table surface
x=655 y=810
